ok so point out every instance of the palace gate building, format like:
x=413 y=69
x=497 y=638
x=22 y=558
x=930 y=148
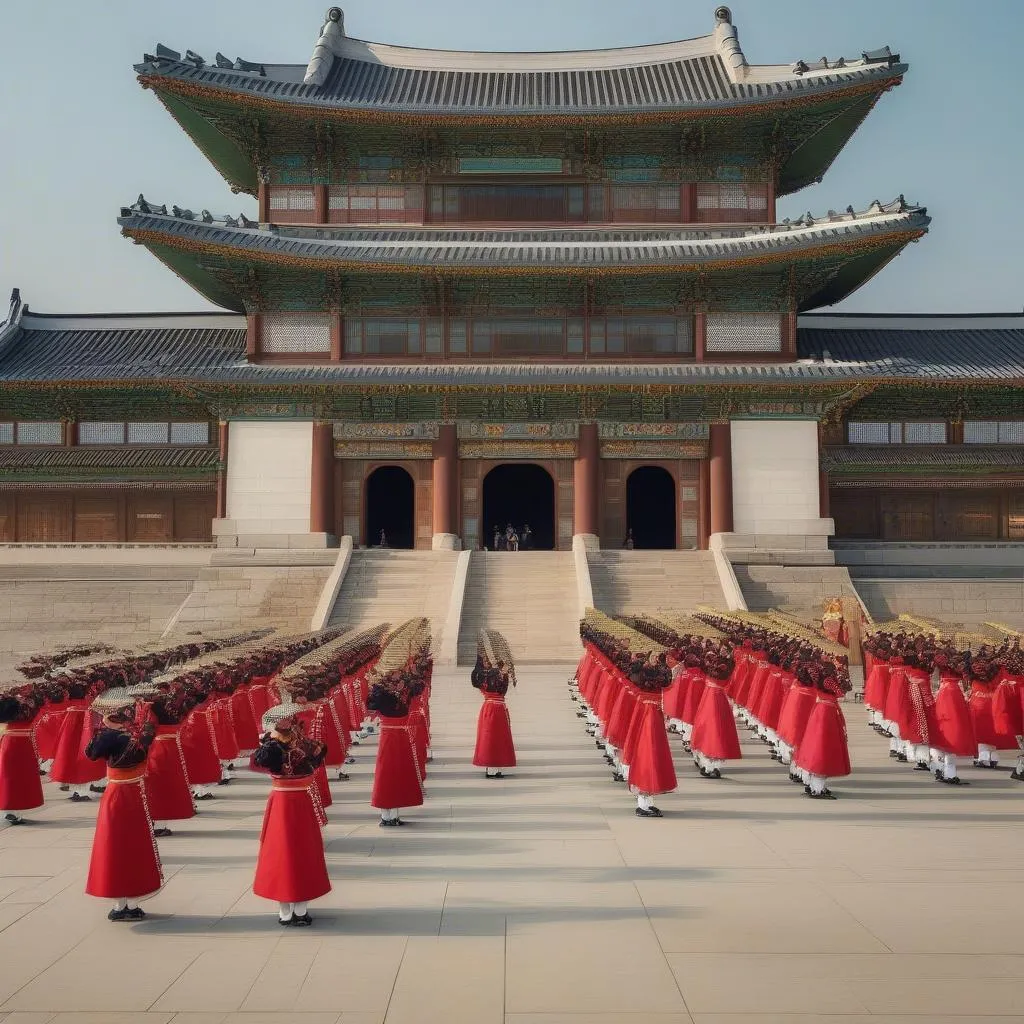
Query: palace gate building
x=530 y=287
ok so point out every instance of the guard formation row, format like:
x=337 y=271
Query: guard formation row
x=641 y=679
x=975 y=710
x=163 y=726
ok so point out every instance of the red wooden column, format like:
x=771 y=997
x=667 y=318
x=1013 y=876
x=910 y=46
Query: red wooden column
x=446 y=463
x=703 y=508
x=720 y=482
x=823 y=500
x=252 y=337
x=264 y=203
x=321 y=500
x=222 y=471
x=700 y=335
x=585 y=481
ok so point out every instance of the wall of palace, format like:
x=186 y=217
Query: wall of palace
x=269 y=477
x=85 y=515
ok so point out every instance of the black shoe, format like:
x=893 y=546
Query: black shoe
x=902 y=758
x=1017 y=776
x=383 y=824
x=161 y=833
x=42 y=771
x=79 y=797
x=230 y=767
x=921 y=766
x=224 y=782
x=893 y=753
x=64 y=787
x=618 y=777
x=93 y=788
x=641 y=813
x=343 y=776
x=118 y=915
x=205 y=796
x=795 y=778
x=14 y=819
x=824 y=795
x=135 y=914
x=301 y=922
x=938 y=776
x=350 y=760
x=285 y=922
x=496 y=775
x=656 y=812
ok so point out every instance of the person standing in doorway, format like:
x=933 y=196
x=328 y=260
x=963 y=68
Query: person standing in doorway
x=629 y=543
x=527 y=541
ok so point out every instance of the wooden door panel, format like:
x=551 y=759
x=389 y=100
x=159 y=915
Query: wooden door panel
x=44 y=520
x=968 y=515
x=193 y=518
x=150 y=518
x=8 y=519
x=908 y=516
x=96 y=520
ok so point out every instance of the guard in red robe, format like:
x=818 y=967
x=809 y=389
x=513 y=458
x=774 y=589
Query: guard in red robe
x=125 y=865
x=167 y=783
x=714 y=739
x=651 y=771
x=397 y=781
x=20 y=787
x=495 y=748
x=953 y=734
x=291 y=868
x=823 y=753
x=71 y=766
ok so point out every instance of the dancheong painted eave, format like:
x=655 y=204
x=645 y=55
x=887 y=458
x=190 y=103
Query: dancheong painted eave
x=353 y=80
x=857 y=243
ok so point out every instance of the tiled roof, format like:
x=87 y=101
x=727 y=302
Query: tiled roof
x=557 y=248
x=895 y=458
x=973 y=348
x=105 y=464
x=179 y=348
x=694 y=73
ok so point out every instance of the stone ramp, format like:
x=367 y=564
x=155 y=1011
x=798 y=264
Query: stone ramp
x=799 y=590
x=40 y=614
x=967 y=601
x=645 y=581
x=529 y=596
x=228 y=596
x=390 y=585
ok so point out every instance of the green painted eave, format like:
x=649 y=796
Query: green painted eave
x=227 y=156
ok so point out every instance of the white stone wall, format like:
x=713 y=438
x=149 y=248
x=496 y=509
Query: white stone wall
x=269 y=477
x=775 y=477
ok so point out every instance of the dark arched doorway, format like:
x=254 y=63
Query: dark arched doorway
x=520 y=494
x=651 y=508
x=391 y=507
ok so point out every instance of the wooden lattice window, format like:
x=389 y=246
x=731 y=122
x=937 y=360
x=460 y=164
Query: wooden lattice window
x=190 y=433
x=743 y=332
x=645 y=204
x=375 y=204
x=382 y=337
x=286 y=333
x=40 y=432
x=292 y=203
x=6 y=433
x=100 y=433
x=924 y=433
x=874 y=433
x=993 y=432
x=731 y=203
x=148 y=433
x=641 y=335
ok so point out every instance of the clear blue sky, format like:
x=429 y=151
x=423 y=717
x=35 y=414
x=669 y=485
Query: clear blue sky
x=80 y=137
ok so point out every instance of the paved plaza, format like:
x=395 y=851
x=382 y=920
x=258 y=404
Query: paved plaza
x=542 y=899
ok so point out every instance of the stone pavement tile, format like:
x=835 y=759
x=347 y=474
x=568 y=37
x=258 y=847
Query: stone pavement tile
x=352 y=973
x=89 y=1017
x=450 y=980
x=219 y=979
x=599 y=1018
x=201 y=1017
x=283 y=975
x=44 y=889
x=27 y=1017
x=584 y=967
x=750 y=983
x=328 y=1017
x=675 y=842
x=43 y=936
x=846 y=1018
x=927 y=917
x=82 y=980
x=781 y=917
x=969 y=997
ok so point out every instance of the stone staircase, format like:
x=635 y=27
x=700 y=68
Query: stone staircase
x=228 y=596
x=392 y=586
x=966 y=601
x=637 y=581
x=530 y=597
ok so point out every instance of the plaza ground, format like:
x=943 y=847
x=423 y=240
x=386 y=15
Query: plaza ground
x=542 y=899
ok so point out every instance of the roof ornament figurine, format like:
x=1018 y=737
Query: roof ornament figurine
x=727 y=38
x=193 y=58
x=247 y=65
x=225 y=63
x=167 y=53
x=328 y=46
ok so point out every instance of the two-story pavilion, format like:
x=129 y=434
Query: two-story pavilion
x=530 y=286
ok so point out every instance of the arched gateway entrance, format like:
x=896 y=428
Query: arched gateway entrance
x=520 y=494
x=651 y=508
x=391 y=507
